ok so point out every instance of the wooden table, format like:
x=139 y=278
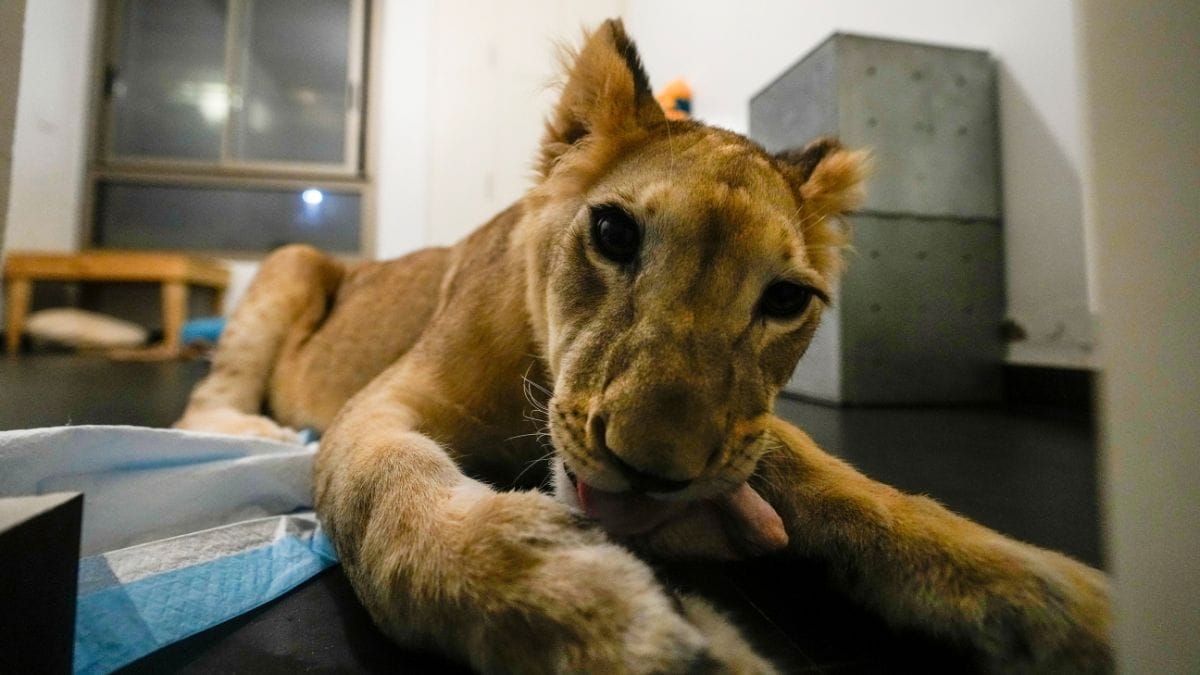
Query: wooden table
x=176 y=272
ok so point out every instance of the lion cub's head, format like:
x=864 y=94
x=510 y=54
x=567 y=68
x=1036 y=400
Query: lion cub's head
x=676 y=274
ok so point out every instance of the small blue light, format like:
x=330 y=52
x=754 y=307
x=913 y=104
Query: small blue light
x=312 y=196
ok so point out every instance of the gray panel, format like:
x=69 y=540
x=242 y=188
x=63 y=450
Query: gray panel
x=928 y=114
x=185 y=218
x=799 y=105
x=819 y=374
x=12 y=37
x=922 y=304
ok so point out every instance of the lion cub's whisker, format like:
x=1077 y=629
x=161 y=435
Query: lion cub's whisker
x=532 y=463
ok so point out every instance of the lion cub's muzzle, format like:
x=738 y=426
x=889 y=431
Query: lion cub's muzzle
x=652 y=462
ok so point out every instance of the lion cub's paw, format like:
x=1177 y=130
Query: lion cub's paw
x=695 y=640
x=236 y=423
x=564 y=599
x=728 y=651
x=1056 y=619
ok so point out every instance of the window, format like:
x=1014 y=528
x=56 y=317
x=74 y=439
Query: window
x=231 y=125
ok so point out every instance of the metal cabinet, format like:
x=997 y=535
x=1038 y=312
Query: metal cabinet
x=918 y=314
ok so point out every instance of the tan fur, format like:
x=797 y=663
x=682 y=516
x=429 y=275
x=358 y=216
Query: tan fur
x=418 y=371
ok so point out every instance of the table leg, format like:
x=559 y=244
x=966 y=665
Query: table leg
x=218 y=301
x=16 y=308
x=174 y=308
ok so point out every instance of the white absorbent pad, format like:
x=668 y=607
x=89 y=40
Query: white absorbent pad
x=167 y=544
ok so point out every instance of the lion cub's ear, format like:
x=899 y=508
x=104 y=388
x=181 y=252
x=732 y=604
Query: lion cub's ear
x=827 y=177
x=607 y=92
x=827 y=181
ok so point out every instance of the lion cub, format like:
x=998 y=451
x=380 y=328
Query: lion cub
x=658 y=284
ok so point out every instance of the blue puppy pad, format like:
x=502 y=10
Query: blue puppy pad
x=137 y=600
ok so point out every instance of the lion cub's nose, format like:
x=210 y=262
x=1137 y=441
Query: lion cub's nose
x=654 y=455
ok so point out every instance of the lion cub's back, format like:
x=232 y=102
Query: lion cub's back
x=379 y=312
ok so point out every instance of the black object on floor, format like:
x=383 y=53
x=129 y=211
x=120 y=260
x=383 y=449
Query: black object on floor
x=39 y=568
x=1028 y=475
x=1063 y=392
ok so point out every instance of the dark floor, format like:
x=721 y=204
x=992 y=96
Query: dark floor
x=1029 y=476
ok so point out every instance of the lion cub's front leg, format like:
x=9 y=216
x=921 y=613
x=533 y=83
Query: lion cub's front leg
x=1023 y=608
x=507 y=581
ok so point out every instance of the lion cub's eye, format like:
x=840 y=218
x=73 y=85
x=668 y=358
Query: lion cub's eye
x=617 y=236
x=784 y=300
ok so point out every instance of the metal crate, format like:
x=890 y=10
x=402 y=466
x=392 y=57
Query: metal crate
x=927 y=113
x=917 y=318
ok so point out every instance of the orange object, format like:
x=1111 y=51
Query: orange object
x=676 y=100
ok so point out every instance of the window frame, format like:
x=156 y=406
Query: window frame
x=234 y=31
x=352 y=176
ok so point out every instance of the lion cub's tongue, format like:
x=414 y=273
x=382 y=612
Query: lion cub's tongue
x=625 y=513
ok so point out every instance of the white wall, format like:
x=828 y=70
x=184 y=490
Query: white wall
x=400 y=110
x=51 y=133
x=1144 y=130
x=728 y=51
x=491 y=68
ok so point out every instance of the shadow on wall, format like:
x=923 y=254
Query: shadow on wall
x=1051 y=307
